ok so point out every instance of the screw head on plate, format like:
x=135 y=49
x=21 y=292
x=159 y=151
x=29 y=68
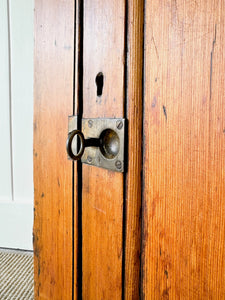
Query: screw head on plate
x=119 y=124
x=90 y=123
x=118 y=164
x=89 y=159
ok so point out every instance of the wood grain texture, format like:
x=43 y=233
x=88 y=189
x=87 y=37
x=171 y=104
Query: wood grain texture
x=184 y=120
x=102 y=198
x=53 y=102
x=133 y=179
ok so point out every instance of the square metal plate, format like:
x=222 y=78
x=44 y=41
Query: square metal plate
x=94 y=128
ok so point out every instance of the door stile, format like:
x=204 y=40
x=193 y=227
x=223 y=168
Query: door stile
x=53 y=99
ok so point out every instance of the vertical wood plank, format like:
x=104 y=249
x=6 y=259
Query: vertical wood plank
x=102 y=197
x=133 y=180
x=184 y=120
x=5 y=135
x=53 y=102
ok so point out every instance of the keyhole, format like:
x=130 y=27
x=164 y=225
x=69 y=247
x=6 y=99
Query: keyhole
x=99 y=80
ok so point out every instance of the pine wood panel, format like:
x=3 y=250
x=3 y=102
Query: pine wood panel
x=132 y=222
x=102 y=197
x=184 y=120
x=53 y=102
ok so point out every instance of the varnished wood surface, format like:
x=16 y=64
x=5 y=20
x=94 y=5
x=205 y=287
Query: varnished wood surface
x=133 y=181
x=184 y=121
x=53 y=102
x=102 y=196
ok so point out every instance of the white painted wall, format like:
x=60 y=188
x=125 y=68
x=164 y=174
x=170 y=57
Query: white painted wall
x=5 y=156
x=16 y=123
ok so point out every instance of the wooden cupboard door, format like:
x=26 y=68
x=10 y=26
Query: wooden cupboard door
x=87 y=220
x=184 y=155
